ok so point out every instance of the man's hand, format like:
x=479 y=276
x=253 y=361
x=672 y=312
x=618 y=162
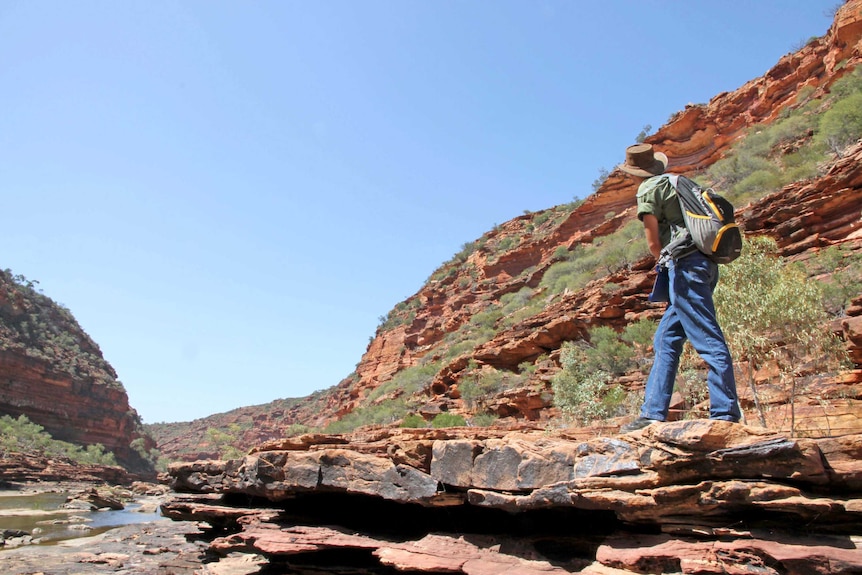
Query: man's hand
x=652 y=235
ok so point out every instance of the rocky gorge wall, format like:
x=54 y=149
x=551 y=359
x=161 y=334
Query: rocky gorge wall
x=697 y=497
x=523 y=498
x=54 y=374
x=803 y=218
x=693 y=139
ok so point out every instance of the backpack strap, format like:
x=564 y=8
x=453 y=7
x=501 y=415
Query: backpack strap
x=681 y=243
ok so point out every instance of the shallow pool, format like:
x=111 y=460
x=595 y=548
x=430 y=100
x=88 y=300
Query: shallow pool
x=43 y=517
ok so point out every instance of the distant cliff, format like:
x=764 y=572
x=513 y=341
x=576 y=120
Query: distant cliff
x=53 y=373
x=492 y=312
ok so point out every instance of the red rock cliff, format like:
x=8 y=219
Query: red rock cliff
x=55 y=375
x=804 y=217
x=693 y=139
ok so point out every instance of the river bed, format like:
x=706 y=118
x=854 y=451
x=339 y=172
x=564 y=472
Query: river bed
x=44 y=520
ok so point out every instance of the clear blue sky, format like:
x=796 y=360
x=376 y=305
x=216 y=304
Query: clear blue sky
x=228 y=195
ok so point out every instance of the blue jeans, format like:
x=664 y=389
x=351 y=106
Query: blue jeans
x=691 y=315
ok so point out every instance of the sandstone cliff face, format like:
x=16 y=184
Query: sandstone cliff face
x=803 y=217
x=694 y=496
x=823 y=212
x=55 y=375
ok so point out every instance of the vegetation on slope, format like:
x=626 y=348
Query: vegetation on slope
x=23 y=436
x=34 y=325
x=597 y=377
x=799 y=145
x=584 y=381
x=590 y=379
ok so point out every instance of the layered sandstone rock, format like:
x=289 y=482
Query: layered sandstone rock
x=53 y=373
x=693 y=496
x=823 y=212
x=688 y=497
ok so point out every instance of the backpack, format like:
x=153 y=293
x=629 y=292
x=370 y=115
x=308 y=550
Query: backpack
x=709 y=224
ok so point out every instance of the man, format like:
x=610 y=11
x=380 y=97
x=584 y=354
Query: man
x=691 y=312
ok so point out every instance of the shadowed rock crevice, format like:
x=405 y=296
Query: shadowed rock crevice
x=406 y=521
x=672 y=496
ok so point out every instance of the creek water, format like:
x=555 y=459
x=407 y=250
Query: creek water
x=43 y=517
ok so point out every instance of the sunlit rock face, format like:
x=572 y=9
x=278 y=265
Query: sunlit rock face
x=803 y=218
x=693 y=496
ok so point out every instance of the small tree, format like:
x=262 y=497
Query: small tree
x=582 y=389
x=844 y=269
x=771 y=314
x=603 y=175
x=640 y=335
x=607 y=352
x=642 y=135
x=223 y=441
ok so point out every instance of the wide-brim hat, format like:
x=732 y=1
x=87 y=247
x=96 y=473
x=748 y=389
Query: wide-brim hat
x=643 y=161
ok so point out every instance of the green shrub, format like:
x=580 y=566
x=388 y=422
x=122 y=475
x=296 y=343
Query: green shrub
x=527 y=368
x=407 y=381
x=805 y=93
x=512 y=302
x=22 y=436
x=402 y=314
x=295 y=429
x=790 y=129
x=581 y=392
x=413 y=421
x=583 y=388
x=640 y=333
x=224 y=441
x=757 y=184
x=569 y=275
x=561 y=253
x=841 y=125
x=466 y=340
x=479 y=384
x=383 y=413
x=623 y=248
x=442 y=420
x=845 y=277
x=483 y=420
x=139 y=446
x=520 y=315
x=542 y=217
x=848 y=84
x=761 y=300
x=691 y=384
x=801 y=164
x=487 y=318
x=507 y=243
x=607 y=352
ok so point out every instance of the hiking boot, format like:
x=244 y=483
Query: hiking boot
x=638 y=423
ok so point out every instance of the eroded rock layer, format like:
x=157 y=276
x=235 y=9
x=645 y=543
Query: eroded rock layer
x=688 y=497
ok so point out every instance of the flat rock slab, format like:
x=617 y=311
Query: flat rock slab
x=698 y=497
x=163 y=547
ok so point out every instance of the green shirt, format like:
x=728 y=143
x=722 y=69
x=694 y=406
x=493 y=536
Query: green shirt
x=657 y=196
